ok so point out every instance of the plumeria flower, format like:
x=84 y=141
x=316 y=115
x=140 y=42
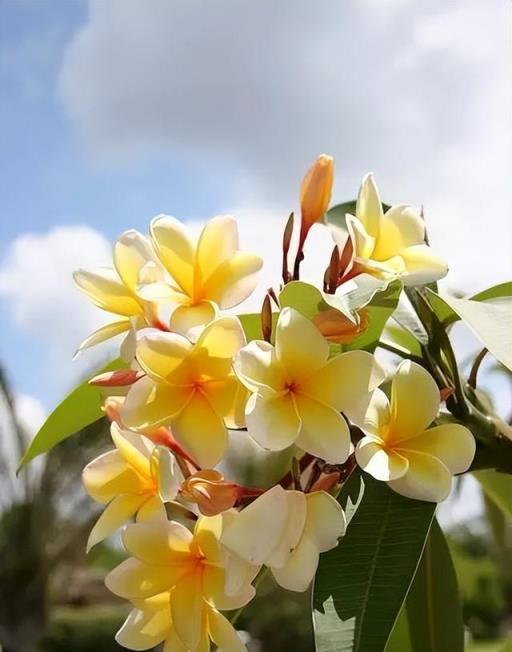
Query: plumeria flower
x=400 y=448
x=133 y=479
x=189 y=568
x=116 y=289
x=150 y=623
x=297 y=393
x=207 y=274
x=286 y=531
x=390 y=244
x=192 y=387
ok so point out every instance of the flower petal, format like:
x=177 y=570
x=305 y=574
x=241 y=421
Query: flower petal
x=217 y=244
x=346 y=381
x=133 y=579
x=362 y=242
x=377 y=415
x=369 y=207
x=116 y=514
x=292 y=531
x=149 y=404
x=153 y=509
x=382 y=464
x=451 y=443
x=217 y=345
x=158 y=542
x=135 y=449
x=207 y=533
x=255 y=532
x=105 y=290
x=234 y=280
x=272 y=422
x=325 y=520
x=324 y=432
x=145 y=628
x=108 y=476
x=164 y=357
x=201 y=431
x=426 y=479
x=258 y=368
x=104 y=333
x=175 y=249
x=186 y=610
x=223 y=633
x=300 y=347
x=422 y=265
x=400 y=227
x=190 y=320
x=299 y=571
x=132 y=252
x=414 y=402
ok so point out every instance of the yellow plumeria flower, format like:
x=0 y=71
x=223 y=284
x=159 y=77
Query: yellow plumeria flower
x=400 y=448
x=298 y=393
x=135 y=478
x=209 y=273
x=192 y=387
x=392 y=243
x=150 y=623
x=116 y=289
x=192 y=570
x=286 y=531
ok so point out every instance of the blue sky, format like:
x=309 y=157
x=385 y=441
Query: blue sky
x=112 y=112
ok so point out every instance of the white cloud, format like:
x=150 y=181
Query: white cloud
x=36 y=281
x=417 y=92
x=30 y=413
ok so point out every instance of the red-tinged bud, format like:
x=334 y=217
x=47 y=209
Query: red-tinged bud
x=112 y=408
x=119 y=378
x=326 y=482
x=287 y=238
x=333 y=272
x=266 y=319
x=338 y=328
x=315 y=192
x=446 y=392
x=208 y=489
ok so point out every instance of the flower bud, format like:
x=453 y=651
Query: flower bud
x=210 y=492
x=112 y=408
x=337 y=327
x=315 y=192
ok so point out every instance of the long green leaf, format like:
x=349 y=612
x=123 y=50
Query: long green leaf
x=490 y=321
x=498 y=487
x=360 y=585
x=433 y=606
x=80 y=408
x=448 y=315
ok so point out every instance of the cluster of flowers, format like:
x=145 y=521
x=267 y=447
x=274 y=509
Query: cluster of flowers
x=192 y=376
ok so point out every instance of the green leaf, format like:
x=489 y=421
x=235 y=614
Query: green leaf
x=400 y=639
x=335 y=216
x=403 y=339
x=490 y=321
x=380 y=309
x=433 y=606
x=498 y=487
x=79 y=409
x=360 y=585
x=448 y=315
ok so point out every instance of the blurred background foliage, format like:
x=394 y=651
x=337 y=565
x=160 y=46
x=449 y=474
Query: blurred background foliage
x=52 y=596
